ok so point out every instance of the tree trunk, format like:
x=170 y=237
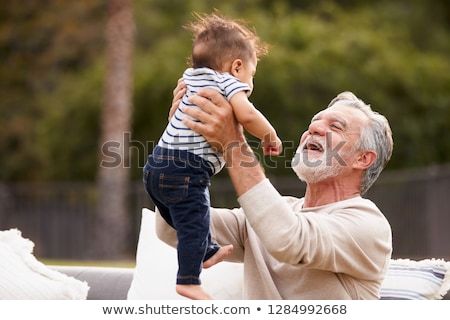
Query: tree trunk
x=113 y=179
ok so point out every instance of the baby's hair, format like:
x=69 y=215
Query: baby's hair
x=218 y=40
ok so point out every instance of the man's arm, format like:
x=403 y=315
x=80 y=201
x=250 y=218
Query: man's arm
x=220 y=127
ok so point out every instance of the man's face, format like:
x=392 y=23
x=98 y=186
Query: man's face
x=327 y=148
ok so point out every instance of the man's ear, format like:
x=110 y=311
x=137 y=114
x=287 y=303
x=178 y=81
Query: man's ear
x=236 y=67
x=365 y=159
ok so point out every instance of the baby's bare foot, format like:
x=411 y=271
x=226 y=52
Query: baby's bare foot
x=219 y=256
x=192 y=291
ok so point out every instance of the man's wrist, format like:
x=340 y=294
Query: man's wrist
x=243 y=166
x=240 y=154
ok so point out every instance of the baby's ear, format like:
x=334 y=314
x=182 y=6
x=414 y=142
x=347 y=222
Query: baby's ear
x=236 y=67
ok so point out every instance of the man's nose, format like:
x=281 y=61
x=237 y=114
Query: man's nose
x=317 y=127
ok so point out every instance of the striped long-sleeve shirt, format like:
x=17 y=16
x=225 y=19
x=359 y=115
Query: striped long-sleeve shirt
x=177 y=135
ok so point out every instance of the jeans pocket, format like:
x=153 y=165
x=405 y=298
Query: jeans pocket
x=173 y=188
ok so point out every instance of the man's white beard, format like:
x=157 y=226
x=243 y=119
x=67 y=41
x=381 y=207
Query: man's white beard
x=314 y=170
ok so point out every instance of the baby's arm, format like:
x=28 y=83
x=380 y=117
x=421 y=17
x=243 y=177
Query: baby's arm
x=255 y=123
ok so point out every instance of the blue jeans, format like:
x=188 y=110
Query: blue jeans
x=177 y=182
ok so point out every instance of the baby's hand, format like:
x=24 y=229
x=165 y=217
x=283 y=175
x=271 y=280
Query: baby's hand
x=272 y=148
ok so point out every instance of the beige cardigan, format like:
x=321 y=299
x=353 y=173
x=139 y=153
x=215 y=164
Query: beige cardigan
x=336 y=251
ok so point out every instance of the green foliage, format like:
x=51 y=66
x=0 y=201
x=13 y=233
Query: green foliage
x=391 y=54
x=67 y=135
x=41 y=44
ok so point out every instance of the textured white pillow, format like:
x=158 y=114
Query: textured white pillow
x=156 y=269
x=23 y=277
x=416 y=280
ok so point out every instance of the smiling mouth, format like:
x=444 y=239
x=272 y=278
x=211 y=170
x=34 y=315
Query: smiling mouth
x=314 y=146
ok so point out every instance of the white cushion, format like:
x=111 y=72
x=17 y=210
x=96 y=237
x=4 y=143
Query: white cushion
x=416 y=280
x=23 y=277
x=156 y=269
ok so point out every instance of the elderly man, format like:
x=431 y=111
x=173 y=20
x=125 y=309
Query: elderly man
x=330 y=244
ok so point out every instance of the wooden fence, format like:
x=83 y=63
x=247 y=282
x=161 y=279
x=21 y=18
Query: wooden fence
x=59 y=217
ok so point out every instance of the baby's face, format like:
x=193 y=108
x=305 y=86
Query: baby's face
x=248 y=71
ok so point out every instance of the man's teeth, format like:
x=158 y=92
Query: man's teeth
x=313 y=146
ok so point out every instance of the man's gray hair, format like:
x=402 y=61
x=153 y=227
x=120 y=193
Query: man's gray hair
x=377 y=136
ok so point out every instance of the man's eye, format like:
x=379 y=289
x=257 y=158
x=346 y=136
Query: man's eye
x=336 y=126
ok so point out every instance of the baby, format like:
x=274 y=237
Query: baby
x=178 y=172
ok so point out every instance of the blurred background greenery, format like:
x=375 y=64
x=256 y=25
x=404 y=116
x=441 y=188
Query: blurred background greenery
x=392 y=54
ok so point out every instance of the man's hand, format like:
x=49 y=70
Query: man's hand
x=219 y=126
x=217 y=121
x=178 y=94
